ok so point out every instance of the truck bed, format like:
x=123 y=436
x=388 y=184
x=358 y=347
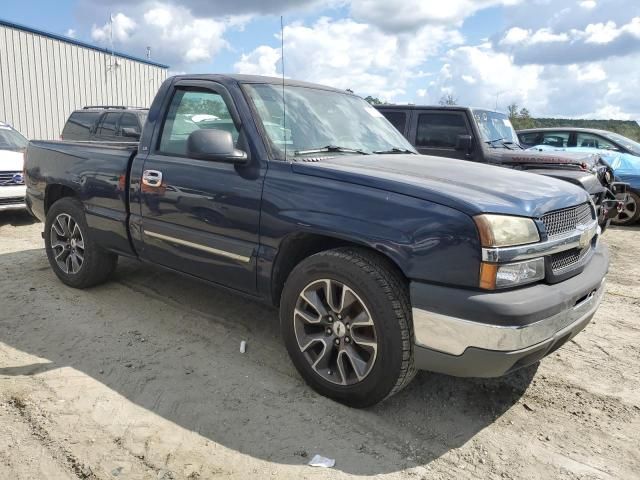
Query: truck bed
x=96 y=172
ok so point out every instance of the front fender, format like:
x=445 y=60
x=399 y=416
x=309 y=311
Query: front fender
x=427 y=241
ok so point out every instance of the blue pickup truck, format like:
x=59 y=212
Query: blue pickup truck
x=380 y=260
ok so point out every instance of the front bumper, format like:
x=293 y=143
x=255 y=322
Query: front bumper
x=478 y=334
x=12 y=197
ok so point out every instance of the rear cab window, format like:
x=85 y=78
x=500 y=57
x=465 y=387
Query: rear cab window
x=108 y=125
x=80 y=125
x=556 y=139
x=440 y=129
x=130 y=120
x=397 y=119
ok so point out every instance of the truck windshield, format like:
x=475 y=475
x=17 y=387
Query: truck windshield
x=495 y=127
x=632 y=146
x=12 y=140
x=322 y=121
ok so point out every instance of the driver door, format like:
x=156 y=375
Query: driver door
x=199 y=216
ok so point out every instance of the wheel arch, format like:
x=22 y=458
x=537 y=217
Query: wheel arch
x=55 y=192
x=298 y=246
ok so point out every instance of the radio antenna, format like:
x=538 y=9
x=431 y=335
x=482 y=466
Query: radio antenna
x=284 y=103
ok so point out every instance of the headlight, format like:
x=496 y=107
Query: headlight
x=493 y=275
x=506 y=231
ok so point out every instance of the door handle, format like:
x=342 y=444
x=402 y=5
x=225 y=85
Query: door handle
x=152 y=178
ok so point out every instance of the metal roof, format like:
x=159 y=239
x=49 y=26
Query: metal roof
x=73 y=41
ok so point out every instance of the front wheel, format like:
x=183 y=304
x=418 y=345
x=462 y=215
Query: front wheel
x=630 y=211
x=346 y=323
x=73 y=254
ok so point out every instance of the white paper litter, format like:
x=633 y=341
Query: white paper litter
x=243 y=346
x=320 y=461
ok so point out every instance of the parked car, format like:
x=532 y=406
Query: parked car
x=105 y=123
x=487 y=136
x=379 y=265
x=620 y=152
x=12 y=188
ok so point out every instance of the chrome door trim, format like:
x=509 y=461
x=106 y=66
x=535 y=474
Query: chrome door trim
x=198 y=246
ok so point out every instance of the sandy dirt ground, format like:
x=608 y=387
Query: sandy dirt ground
x=142 y=378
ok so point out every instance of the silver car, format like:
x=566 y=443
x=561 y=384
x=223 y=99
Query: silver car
x=12 y=187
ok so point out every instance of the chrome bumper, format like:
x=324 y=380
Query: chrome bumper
x=453 y=335
x=13 y=206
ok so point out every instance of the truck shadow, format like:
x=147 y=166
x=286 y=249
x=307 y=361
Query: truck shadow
x=169 y=344
x=17 y=218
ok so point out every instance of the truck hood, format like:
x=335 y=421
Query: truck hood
x=11 y=161
x=543 y=159
x=466 y=186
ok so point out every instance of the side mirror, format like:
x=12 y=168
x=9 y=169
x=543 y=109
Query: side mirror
x=464 y=143
x=130 y=132
x=215 y=145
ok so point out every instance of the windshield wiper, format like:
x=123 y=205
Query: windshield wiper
x=394 y=150
x=502 y=140
x=330 y=148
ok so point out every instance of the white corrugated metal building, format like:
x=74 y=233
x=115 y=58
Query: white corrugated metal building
x=44 y=77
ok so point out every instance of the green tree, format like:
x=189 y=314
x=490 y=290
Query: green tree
x=373 y=100
x=448 y=99
x=513 y=111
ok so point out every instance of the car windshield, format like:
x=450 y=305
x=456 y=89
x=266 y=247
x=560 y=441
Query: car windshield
x=495 y=127
x=10 y=139
x=632 y=146
x=319 y=120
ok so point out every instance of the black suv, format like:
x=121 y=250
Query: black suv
x=105 y=124
x=487 y=136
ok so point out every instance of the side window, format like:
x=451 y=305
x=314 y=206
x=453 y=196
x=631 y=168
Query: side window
x=129 y=120
x=594 y=141
x=79 y=125
x=555 y=139
x=191 y=110
x=397 y=119
x=530 y=139
x=440 y=130
x=108 y=124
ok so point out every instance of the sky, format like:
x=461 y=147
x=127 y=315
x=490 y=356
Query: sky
x=557 y=58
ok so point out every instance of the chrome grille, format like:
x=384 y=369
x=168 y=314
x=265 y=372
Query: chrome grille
x=11 y=201
x=6 y=178
x=569 y=258
x=567 y=220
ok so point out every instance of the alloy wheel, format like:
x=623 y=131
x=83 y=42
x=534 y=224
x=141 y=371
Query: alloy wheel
x=335 y=332
x=628 y=212
x=67 y=244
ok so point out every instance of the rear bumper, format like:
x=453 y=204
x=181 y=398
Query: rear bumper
x=477 y=334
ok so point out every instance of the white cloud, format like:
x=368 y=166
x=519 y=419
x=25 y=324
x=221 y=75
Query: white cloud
x=588 y=4
x=349 y=54
x=605 y=89
x=590 y=73
x=520 y=36
x=71 y=33
x=411 y=15
x=515 y=35
x=421 y=92
x=175 y=35
x=263 y=60
x=120 y=28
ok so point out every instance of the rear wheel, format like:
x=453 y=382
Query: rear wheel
x=630 y=211
x=345 y=319
x=73 y=254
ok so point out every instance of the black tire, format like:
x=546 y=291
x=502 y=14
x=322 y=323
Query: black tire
x=384 y=293
x=97 y=264
x=631 y=213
